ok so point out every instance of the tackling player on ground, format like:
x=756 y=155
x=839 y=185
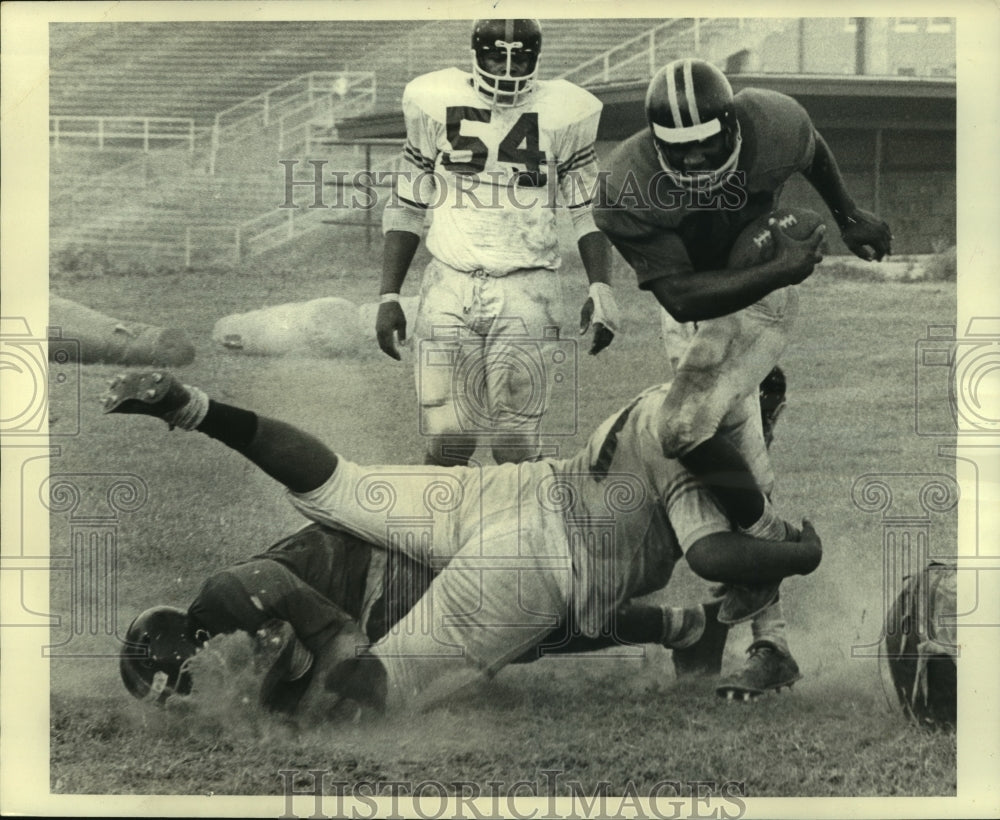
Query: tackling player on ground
x=485 y=155
x=677 y=196
x=309 y=593
x=519 y=549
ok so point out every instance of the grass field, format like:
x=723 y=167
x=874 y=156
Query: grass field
x=597 y=719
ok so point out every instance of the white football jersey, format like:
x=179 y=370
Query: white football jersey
x=630 y=512
x=492 y=176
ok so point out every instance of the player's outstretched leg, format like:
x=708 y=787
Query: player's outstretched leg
x=693 y=634
x=292 y=457
x=768 y=668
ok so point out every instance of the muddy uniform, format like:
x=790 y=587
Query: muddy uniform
x=666 y=229
x=490 y=178
x=521 y=548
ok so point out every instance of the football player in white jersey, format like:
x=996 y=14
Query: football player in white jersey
x=488 y=155
x=520 y=548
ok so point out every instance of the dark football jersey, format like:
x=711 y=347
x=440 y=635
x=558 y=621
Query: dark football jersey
x=659 y=226
x=336 y=564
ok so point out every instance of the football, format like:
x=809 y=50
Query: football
x=755 y=244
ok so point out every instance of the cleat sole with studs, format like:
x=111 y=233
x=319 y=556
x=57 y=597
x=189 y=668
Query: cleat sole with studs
x=151 y=393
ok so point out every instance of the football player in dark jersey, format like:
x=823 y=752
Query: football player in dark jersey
x=676 y=197
x=516 y=551
x=303 y=596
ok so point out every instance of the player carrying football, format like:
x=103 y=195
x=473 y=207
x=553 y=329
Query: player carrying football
x=519 y=548
x=485 y=154
x=708 y=164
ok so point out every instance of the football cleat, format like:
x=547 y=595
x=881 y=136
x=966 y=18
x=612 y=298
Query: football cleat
x=743 y=603
x=285 y=663
x=704 y=657
x=767 y=669
x=772 y=402
x=152 y=393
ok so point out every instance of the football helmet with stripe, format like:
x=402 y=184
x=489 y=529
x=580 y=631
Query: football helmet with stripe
x=505 y=59
x=692 y=120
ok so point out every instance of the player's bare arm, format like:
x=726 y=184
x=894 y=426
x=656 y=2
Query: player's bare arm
x=697 y=296
x=736 y=558
x=867 y=235
x=390 y=323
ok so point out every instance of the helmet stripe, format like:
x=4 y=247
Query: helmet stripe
x=693 y=133
x=675 y=111
x=689 y=90
x=508 y=30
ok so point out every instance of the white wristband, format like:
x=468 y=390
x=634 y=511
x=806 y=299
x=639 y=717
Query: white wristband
x=388 y=297
x=598 y=289
x=605 y=307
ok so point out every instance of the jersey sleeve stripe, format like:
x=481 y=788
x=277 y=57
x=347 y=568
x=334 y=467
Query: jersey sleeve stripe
x=414 y=157
x=577 y=158
x=677 y=488
x=576 y=166
x=412 y=203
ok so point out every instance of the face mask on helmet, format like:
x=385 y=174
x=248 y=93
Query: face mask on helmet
x=159 y=644
x=505 y=59
x=692 y=119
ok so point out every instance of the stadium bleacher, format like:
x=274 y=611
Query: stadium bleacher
x=128 y=203
x=196 y=70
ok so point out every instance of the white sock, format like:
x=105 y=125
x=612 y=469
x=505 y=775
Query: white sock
x=191 y=414
x=683 y=626
x=770 y=626
x=769 y=527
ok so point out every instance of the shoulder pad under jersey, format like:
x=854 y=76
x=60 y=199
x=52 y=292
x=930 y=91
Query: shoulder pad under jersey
x=559 y=103
x=433 y=93
x=777 y=133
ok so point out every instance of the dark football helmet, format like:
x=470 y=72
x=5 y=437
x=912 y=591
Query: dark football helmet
x=920 y=645
x=691 y=114
x=505 y=59
x=158 y=645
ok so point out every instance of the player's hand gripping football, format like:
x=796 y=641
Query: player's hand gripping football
x=867 y=235
x=600 y=311
x=390 y=326
x=797 y=257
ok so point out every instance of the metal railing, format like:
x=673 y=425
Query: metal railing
x=279 y=225
x=642 y=56
x=598 y=69
x=294 y=107
x=133 y=131
x=287 y=116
